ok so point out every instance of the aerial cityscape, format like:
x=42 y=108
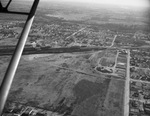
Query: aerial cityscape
x=80 y=59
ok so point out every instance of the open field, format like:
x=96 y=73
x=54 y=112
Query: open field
x=63 y=83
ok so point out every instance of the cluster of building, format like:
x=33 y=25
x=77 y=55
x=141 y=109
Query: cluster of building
x=53 y=34
x=139 y=99
x=139 y=82
x=8 y=30
x=16 y=109
x=124 y=40
x=140 y=64
x=60 y=34
x=142 y=36
x=132 y=39
x=95 y=38
x=140 y=74
x=140 y=58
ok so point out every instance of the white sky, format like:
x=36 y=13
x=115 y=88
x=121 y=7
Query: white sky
x=138 y=3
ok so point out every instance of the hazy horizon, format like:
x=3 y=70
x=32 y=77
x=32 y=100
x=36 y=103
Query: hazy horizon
x=125 y=3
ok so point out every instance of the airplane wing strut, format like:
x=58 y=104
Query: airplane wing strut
x=12 y=67
x=5 y=9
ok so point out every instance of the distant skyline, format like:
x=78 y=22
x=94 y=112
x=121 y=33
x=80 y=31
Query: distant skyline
x=130 y=3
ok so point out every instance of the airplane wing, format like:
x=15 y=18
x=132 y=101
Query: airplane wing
x=12 y=67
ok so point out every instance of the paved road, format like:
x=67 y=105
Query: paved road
x=140 y=81
x=113 y=41
x=140 y=68
x=127 y=87
x=75 y=32
x=141 y=100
